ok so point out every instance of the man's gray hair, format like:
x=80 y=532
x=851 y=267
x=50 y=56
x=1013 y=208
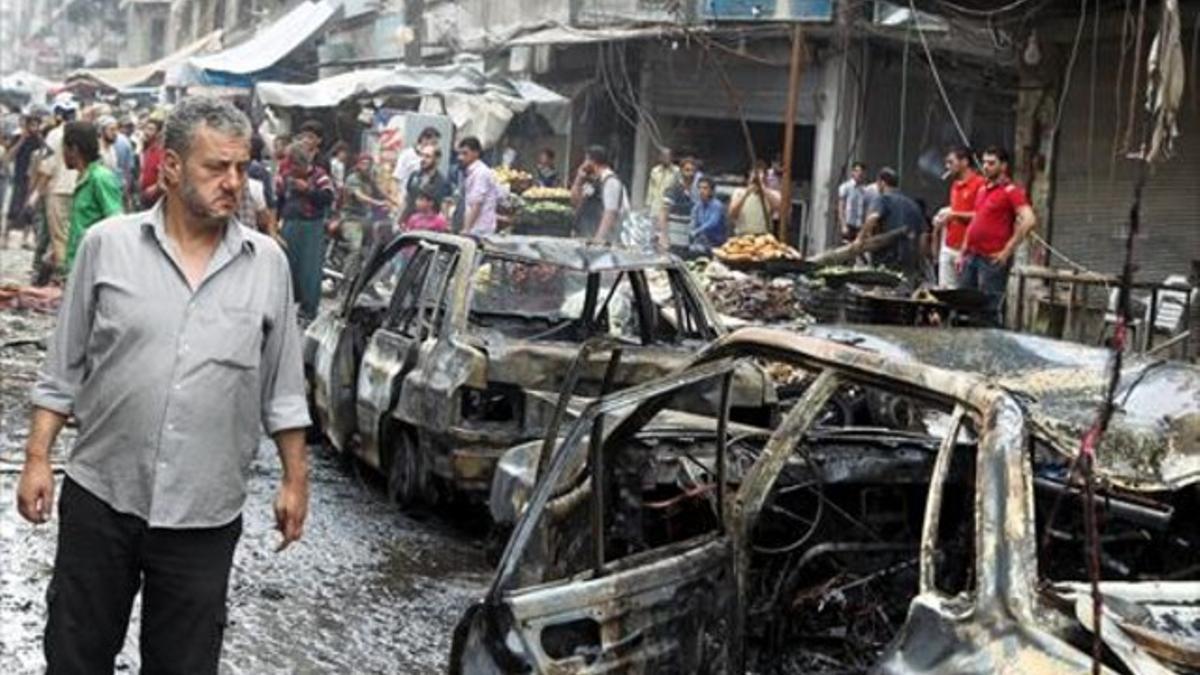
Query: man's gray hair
x=218 y=115
x=299 y=155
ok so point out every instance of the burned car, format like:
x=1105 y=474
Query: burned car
x=949 y=541
x=446 y=350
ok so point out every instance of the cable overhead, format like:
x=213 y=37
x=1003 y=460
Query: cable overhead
x=937 y=78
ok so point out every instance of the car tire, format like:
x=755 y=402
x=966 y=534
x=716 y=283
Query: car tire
x=406 y=471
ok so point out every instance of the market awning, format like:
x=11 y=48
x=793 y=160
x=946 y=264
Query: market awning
x=151 y=73
x=273 y=43
x=432 y=81
x=326 y=93
x=477 y=103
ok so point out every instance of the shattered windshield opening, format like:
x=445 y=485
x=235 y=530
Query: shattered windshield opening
x=531 y=300
x=530 y=290
x=659 y=486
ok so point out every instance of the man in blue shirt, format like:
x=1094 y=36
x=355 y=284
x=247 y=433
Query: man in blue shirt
x=708 y=219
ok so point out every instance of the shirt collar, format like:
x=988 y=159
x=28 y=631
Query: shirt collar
x=234 y=241
x=962 y=182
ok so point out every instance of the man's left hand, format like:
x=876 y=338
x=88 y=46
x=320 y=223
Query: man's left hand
x=291 y=509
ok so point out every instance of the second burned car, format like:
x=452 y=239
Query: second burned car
x=945 y=537
x=447 y=350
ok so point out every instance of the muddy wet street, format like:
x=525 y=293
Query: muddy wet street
x=368 y=589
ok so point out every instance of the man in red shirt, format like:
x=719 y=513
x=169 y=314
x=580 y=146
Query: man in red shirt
x=152 y=158
x=1002 y=220
x=950 y=225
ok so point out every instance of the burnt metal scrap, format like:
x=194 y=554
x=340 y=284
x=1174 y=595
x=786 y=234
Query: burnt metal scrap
x=916 y=542
x=448 y=350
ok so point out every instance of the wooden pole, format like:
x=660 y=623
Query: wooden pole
x=789 y=129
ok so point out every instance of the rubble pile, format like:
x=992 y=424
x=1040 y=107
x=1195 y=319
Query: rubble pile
x=754 y=299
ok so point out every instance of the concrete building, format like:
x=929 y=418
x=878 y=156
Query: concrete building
x=644 y=74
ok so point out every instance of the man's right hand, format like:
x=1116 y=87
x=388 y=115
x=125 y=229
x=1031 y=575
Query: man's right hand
x=35 y=492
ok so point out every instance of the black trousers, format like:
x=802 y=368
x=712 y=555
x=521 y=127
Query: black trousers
x=103 y=558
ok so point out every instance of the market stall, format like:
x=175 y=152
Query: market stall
x=761 y=280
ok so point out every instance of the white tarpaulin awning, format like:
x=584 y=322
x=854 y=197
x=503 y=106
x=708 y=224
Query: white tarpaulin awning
x=271 y=44
x=124 y=78
x=326 y=93
x=461 y=91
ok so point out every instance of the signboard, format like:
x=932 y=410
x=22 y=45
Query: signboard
x=766 y=10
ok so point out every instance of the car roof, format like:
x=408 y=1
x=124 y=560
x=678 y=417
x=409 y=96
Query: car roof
x=575 y=254
x=1153 y=440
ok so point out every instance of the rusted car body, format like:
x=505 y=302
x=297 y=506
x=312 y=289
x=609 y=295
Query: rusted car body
x=950 y=543
x=446 y=350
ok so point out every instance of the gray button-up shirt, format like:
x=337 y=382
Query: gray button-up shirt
x=173 y=388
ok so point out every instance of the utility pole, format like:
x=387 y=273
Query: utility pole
x=789 y=129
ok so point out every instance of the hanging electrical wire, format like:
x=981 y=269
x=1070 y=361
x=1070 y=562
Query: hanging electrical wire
x=1126 y=21
x=1066 y=81
x=937 y=78
x=1131 y=123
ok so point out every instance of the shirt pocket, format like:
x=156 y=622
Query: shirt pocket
x=234 y=337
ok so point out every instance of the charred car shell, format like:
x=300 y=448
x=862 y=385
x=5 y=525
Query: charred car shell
x=448 y=350
x=994 y=582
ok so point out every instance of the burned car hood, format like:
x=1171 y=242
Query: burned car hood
x=543 y=366
x=1153 y=441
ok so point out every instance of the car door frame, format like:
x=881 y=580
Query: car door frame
x=613 y=589
x=392 y=352
x=333 y=403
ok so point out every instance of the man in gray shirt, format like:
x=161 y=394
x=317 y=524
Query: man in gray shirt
x=176 y=346
x=895 y=213
x=853 y=201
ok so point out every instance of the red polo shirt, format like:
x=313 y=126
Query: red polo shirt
x=995 y=216
x=962 y=199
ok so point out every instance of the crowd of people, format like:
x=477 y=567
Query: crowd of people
x=69 y=168
x=969 y=243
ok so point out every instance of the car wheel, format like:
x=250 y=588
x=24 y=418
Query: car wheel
x=406 y=472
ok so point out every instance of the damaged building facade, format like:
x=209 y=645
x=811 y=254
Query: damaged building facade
x=878 y=83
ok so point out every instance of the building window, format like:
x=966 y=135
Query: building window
x=158 y=38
